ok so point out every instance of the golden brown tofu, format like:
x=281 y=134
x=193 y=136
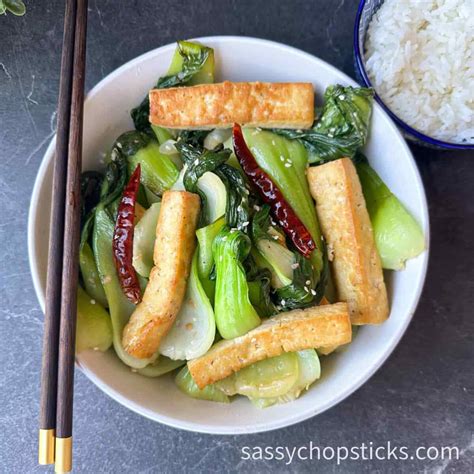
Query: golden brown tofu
x=173 y=252
x=345 y=224
x=255 y=104
x=292 y=331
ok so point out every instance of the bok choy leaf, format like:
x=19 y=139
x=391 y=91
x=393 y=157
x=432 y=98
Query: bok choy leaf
x=342 y=127
x=233 y=310
x=194 y=329
x=192 y=64
x=398 y=235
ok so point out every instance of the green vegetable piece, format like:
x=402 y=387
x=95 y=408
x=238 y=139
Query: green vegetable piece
x=158 y=172
x=197 y=178
x=268 y=378
x=144 y=240
x=162 y=134
x=90 y=275
x=192 y=64
x=285 y=161
x=293 y=276
x=398 y=235
x=94 y=328
x=187 y=385
x=279 y=260
x=342 y=127
x=120 y=307
x=194 y=329
x=162 y=365
x=233 y=311
x=16 y=7
x=206 y=236
x=259 y=291
x=309 y=372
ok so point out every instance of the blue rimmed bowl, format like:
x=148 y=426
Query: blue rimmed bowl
x=365 y=12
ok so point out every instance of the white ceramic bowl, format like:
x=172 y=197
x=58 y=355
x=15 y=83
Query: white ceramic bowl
x=107 y=115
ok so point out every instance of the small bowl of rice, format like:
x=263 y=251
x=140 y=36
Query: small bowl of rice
x=418 y=55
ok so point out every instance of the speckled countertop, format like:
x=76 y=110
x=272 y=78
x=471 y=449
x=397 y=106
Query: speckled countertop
x=423 y=395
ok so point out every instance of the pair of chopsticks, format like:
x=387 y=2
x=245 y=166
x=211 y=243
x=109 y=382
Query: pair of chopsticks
x=57 y=372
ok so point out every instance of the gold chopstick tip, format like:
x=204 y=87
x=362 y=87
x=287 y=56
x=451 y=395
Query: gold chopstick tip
x=63 y=462
x=46 y=446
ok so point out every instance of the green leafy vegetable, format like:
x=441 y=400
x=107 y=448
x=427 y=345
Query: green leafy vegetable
x=297 y=284
x=144 y=239
x=94 y=329
x=194 y=329
x=397 y=234
x=205 y=161
x=199 y=161
x=206 y=236
x=158 y=172
x=342 y=127
x=233 y=310
x=91 y=182
x=16 y=7
x=192 y=64
x=259 y=282
x=162 y=365
x=119 y=306
x=309 y=371
x=285 y=161
x=237 y=212
x=304 y=290
x=187 y=385
x=268 y=378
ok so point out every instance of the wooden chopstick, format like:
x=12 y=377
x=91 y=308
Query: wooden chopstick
x=67 y=330
x=49 y=366
x=60 y=319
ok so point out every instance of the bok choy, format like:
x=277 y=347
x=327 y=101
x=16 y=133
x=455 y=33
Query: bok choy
x=398 y=235
x=192 y=64
x=194 y=329
x=233 y=310
x=342 y=127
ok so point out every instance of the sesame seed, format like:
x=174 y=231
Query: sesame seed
x=134 y=370
x=313 y=292
x=96 y=348
x=287 y=165
x=92 y=301
x=308 y=282
x=283 y=302
x=294 y=266
x=273 y=143
x=306 y=289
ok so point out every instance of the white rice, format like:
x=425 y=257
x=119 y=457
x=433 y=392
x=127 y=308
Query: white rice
x=420 y=60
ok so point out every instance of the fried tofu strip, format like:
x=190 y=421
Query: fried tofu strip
x=345 y=224
x=326 y=350
x=255 y=104
x=292 y=331
x=173 y=251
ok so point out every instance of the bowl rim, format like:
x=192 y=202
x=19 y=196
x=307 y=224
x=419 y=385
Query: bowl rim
x=359 y=58
x=302 y=415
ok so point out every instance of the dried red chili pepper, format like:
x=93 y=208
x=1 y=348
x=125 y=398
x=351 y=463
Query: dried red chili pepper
x=282 y=212
x=122 y=243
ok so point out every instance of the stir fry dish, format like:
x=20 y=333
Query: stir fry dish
x=237 y=234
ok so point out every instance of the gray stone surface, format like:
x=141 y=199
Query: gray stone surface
x=423 y=395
